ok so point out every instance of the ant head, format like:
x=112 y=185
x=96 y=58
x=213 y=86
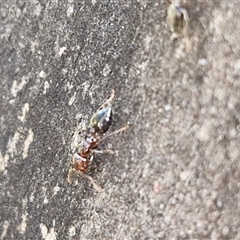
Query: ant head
x=101 y=120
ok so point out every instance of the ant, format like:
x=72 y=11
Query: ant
x=177 y=19
x=93 y=135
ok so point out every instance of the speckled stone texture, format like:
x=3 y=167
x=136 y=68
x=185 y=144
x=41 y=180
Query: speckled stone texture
x=175 y=172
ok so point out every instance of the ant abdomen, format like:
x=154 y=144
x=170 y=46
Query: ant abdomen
x=102 y=120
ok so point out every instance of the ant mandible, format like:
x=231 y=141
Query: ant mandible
x=82 y=160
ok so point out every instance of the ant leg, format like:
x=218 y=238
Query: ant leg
x=115 y=132
x=106 y=151
x=94 y=184
x=71 y=172
x=186 y=18
x=108 y=101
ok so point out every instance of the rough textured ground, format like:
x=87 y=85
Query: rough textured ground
x=175 y=173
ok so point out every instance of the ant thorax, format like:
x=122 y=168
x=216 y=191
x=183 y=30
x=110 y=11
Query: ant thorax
x=89 y=141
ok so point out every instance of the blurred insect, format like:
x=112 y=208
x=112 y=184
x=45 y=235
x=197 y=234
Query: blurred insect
x=93 y=135
x=177 y=19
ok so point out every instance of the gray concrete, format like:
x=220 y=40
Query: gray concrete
x=175 y=172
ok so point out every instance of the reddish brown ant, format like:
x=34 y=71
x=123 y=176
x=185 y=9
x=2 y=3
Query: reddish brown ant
x=82 y=161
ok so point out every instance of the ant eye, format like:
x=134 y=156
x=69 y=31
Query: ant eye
x=102 y=120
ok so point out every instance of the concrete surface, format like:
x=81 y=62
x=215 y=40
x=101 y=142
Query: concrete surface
x=175 y=173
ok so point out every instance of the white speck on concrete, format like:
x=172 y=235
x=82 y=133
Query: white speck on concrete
x=3 y=161
x=225 y=231
x=45 y=201
x=27 y=143
x=143 y=2
x=34 y=45
x=157 y=186
x=72 y=99
x=42 y=74
x=185 y=176
x=23 y=225
x=12 y=144
x=25 y=110
x=12 y=101
x=68 y=86
x=205 y=132
x=47 y=235
x=31 y=198
x=70 y=11
x=72 y=231
x=56 y=190
x=11 y=150
x=148 y=42
x=16 y=88
x=106 y=70
x=220 y=93
x=62 y=51
x=46 y=86
x=64 y=71
x=38 y=7
x=4 y=229
x=44 y=230
x=86 y=87
x=44 y=189
x=203 y=62
x=168 y=107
